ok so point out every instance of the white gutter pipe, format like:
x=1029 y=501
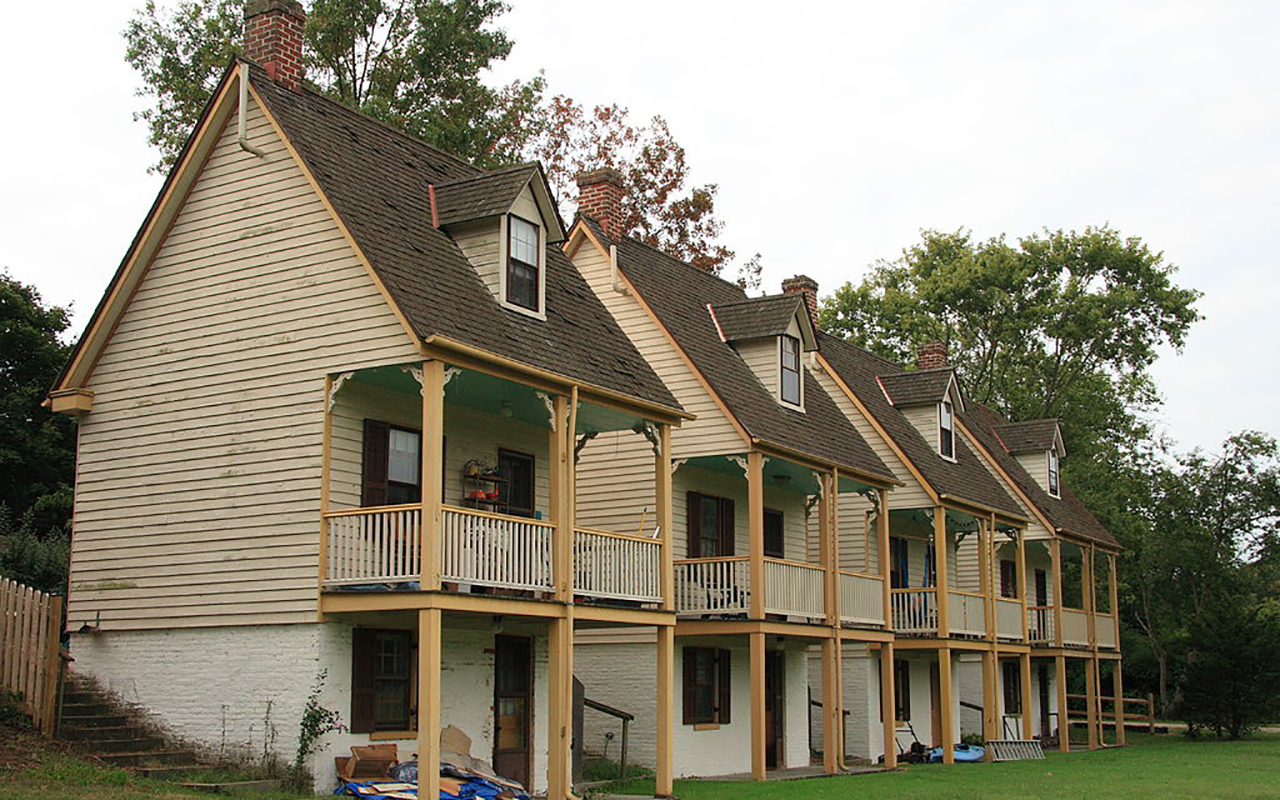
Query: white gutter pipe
x=242 y=137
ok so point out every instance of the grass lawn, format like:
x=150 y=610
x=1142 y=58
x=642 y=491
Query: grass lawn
x=1163 y=767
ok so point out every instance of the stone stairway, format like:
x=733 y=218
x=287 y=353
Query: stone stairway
x=96 y=724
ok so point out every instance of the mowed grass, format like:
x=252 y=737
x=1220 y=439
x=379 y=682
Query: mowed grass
x=1162 y=767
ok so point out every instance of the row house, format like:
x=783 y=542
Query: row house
x=357 y=415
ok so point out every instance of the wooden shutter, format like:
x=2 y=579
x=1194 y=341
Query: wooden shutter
x=690 y=685
x=364 y=660
x=377 y=454
x=726 y=526
x=693 y=524
x=722 y=685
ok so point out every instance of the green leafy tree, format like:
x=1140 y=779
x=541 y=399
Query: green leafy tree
x=39 y=560
x=415 y=64
x=37 y=447
x=1231 y=683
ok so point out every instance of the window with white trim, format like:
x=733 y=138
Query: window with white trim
x=946 y=430
x=1053 y=472
x=790 y=373
x=524 y=270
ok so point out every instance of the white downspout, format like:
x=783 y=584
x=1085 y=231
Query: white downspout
x=242 y=126
x=618 y=285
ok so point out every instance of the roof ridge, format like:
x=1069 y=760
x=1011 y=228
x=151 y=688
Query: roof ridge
x=493 y=173
x=631 y=239
x=400 y=132
x=855 y=346
x=795 y=298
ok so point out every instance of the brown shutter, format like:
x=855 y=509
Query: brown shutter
x=723 y=667
x=690 y=677
x=693 y=525
x=364 y=654
x=377 y=453
x=726 y=527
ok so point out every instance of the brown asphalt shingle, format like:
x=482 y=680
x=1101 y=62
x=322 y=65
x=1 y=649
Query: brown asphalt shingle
x=964 y=479
x=758 y=316
x=1034 y=436
x=482 y=196
x=679 y=294
x=918 y=387
x=376 y=178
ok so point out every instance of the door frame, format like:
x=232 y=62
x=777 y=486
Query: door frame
x=775 y=694
x=527 y=641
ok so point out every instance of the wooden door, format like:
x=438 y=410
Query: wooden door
x=775 y=671
x=1042 y=588
x=935 y=705
x=1042 y=678
x=512 y=706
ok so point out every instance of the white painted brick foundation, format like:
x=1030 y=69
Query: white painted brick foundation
x=211 y=687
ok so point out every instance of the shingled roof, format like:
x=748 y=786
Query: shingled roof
x=678 y=294
x=1066 y=513
x=757 y=317
x=964 y=479
x=482 y=196
x=918 y=387
x=1033 y=436
x=377 y=177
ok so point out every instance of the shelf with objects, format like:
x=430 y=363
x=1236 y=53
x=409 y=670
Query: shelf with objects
x=484 y=488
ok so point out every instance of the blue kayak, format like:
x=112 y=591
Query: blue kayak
x=964 y=752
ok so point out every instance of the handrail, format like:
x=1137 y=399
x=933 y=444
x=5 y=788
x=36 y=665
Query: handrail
x=903 y=590
x=353 y=512
x=475 y=512
x=979 y=595
x=610 y=710
x=614 y=535
x=788 y=563
x=713 y=560
x=853 y=574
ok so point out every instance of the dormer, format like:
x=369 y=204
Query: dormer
x=929 y=399
x=771 y=334
x=1038 y=446
x=503 y=222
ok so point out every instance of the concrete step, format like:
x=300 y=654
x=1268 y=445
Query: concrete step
x=94 y=721
x=88 y=709
x=128 y=744
x=166 y=772
x=78 y=733
x=149 y=758
x=71 y=695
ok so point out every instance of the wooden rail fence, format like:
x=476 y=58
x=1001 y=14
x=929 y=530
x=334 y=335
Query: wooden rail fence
x=1148 y=704
x=30 y=624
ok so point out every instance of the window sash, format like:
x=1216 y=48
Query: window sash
x=790 y=361
x=1053 y=473
x=520 y=490
x=523 y=263
x=947 y=432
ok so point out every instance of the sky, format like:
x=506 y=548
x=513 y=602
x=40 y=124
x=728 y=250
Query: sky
x=836 y=132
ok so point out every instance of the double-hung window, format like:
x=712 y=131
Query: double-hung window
x=710 y=526
x=392 y=472
x=946 y=431
x=1053 y=472
x=524 y=271
x=381 y=680
x=706 y=686
x=790 y=370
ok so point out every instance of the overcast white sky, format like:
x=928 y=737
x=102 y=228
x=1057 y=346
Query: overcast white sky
x=836 y=131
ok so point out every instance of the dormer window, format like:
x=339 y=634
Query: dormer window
x=946 y=431
x=790 y=386
x=523 y=269
x=1053 y=472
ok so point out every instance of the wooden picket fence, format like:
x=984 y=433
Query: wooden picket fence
x=30 y=627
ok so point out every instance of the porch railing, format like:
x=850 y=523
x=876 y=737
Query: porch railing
x=616 y=566
x=915 y=610
x=861 y=598
x=793 y=588
x=1040 y=624
x=966 y=614
x=373 y=545
x=713 y=586
x=1105 y=626
x=1075 y=627
x=1008 y=618
x=488 y=549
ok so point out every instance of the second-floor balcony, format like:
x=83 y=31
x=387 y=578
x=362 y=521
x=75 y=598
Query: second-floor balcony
x=709 y=587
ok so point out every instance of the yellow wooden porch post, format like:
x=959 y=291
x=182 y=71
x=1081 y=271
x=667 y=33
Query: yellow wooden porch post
x=888 y=705
x=990 y=700
x=940 y=566
x=1055 y=554
x=1117 y=679
x=666 y=709
x=559 y=706
x=326 y=459
x=758 y=764
x=1064 y=718
x=559 y=447
x=429 y=654
x=831 y=722
x=946 y=713
x=1022 y=582
x=432 y=472
x=1091 y=698
x=882 y=537
x=829 y=559
x=663 y=501
x=1024 y=665
x=1115 y=598
x=755 y=531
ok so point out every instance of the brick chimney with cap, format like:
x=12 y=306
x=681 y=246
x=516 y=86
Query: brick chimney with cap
x=931 y=355
x=803 y=284
x=273 y=39
x=600 y=193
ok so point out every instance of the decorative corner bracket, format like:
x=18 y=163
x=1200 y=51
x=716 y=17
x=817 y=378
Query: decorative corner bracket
x=338 y=380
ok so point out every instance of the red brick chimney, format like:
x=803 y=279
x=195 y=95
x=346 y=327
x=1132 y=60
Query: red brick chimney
x=600 y=194
x=931 y=355
x=273 y=39
x=803 y=284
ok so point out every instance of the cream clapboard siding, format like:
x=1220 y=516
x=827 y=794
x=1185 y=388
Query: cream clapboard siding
x=483 y=242
x=615 y=474
x=762 y=355
x=717 y=484
x=1037 y=464
x=469 y=434
x=1035 y=529
x=198 y=475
